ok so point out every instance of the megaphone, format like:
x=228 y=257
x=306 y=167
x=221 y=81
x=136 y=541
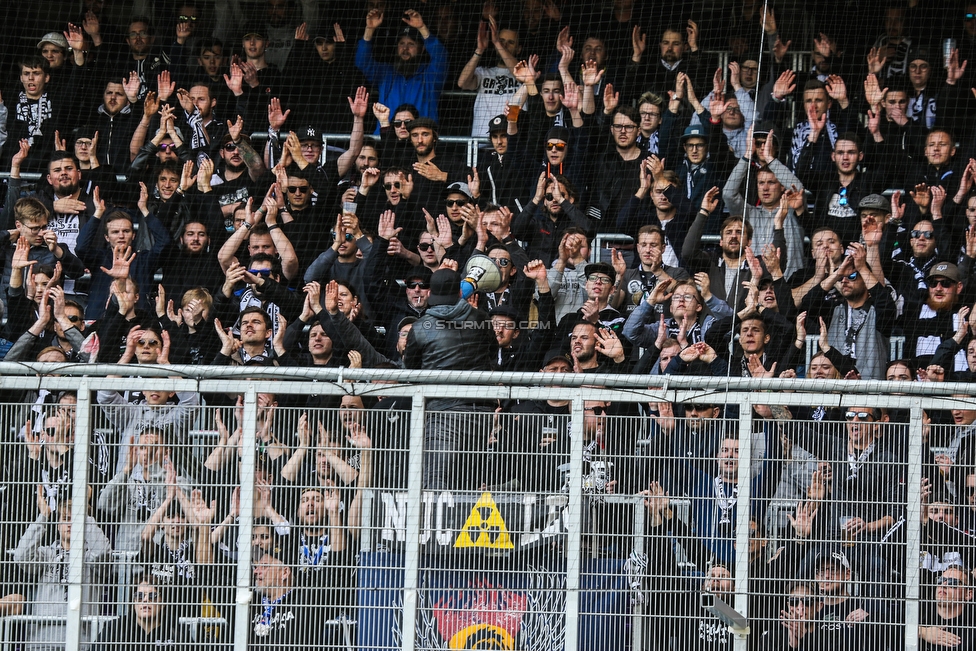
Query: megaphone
x=481 y=274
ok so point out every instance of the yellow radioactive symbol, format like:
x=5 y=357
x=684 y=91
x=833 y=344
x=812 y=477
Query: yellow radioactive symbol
x=484 y=527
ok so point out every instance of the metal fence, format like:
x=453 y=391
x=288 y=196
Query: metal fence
x=353 y=509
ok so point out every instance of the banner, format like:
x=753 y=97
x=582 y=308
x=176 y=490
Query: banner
x=491 y=604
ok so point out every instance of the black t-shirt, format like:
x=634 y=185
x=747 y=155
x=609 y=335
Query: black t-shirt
x=961 y=626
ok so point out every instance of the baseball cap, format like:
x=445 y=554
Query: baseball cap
x=555 y=354
x=498 y=124
x=419 y=272
x=255 y=29
x=411 y=33
x=508 y=312
x=763 y=129
x=600 y=268
x=405 y=321
x=944 y=270
x=875 y=202
x=693 y=131
x=445 y=288
x=54 y=39
x=458 y=186
x=423 y=122
x=309 y=132
x=832 y=556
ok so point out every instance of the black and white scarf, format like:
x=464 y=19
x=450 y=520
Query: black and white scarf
x=34 y=113
x=802 y=131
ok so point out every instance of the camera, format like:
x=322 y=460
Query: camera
x=726 y=613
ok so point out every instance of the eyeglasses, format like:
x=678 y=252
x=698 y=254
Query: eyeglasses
x=310 y=144
x=555 y=146
x=171 y=146
x=733 y=109
x=843 y=197
x=390 y=186
x=944 y=283
x=187 y=19
x=650 y=114
x=230 y=146
x=83 y=143
x=147 y=596
x=264 y=273
x=416 y=284
x=348 y=236
x=599 y=280
x=502 y=262
x=598 y=410
x=684 y=298
x=626 y=128
x=949 y=582
x=925 y=235
x=35 y=229
x=425 y=246
x=152 y=343
x=695 y=145
x=297 y=189
x=399 y=123
x=860 y=415
x=460 y=203
x=749 y=68
x=137 y=34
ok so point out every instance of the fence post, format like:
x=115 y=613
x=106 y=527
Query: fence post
x=574 y=545
x=79 y=515
x=415 y=489
x=242 y=623
x=743 y=504
x=913 y=533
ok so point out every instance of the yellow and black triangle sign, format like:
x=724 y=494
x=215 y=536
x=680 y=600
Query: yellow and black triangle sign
x=484 y=527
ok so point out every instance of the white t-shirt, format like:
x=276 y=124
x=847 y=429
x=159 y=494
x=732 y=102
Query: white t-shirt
x=495 y=87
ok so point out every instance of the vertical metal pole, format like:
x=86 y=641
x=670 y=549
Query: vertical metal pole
x=242 y=623
x=79 y=515
x=742 y=511
x=913 y=532
x=637 y=614
x=415 y=488
x=574 y=555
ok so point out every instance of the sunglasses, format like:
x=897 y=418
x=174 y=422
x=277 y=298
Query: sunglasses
x=949 y=581
x=502 y=262
x=390 y=186
x=550 y=197
x=416 y=284
x=425 y=246
x=925 y=235
x=49 y=431
x=74 y=319
x=230 y=146
x=149 y=342
x=860 y=415
x=187 y=19
x=260 y=272
x=599 y=411
x=800 y=601
x=167 y=146
x=460 y=203
x=147 y=596
x=944 y=283
x=297 y=189
x=969 y=17
x=399 y=123
x=555 y=146
x=348 y=236
x=853 y=276
x=697 y=407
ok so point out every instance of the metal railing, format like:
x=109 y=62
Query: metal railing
x=411 y=516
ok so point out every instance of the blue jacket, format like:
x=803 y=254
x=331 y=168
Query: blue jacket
x=95 y=252
x=422 y=89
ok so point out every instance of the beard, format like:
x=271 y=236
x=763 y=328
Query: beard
x=407 y=68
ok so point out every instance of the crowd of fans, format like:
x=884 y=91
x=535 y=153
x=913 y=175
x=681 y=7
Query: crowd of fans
x=841 y=195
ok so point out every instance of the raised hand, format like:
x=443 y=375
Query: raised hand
x=610 y=99
x=131 y=86
x=164 y=85
x=876 y=61
x=360 y=104
x=382 y=113
x=785 y=85
x=873 y=94
x=235 y=82
x=122 y=257
x=374 y=19
x=639 y=43
x=277 y=117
